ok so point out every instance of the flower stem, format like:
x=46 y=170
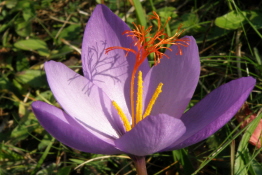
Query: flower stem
x=140 y=164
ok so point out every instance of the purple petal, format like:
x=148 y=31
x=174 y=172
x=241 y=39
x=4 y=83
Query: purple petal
x=179 y=74
x=68 y=131
x=151 y=135
x=110 y=72
x=214 y=111
x=82 y=100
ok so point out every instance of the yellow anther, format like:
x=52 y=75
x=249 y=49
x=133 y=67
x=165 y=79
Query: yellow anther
x=139 y=100
x=153 y=100
x=122 y=116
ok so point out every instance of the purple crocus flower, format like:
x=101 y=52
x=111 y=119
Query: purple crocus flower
x=98 y=115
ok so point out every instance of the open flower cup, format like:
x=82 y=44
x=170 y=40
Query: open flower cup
x=114 y=109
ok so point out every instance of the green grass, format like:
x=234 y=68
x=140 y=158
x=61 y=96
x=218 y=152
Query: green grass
x=228 y=34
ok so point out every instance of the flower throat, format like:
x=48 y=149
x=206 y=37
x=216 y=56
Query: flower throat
x=145 y=44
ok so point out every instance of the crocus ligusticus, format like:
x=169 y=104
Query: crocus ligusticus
x=90 y=120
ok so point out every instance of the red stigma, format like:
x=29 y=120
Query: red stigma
x=147 y=43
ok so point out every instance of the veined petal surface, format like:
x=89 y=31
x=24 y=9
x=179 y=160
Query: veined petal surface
x=214 y=111
x=179 y=74
x=69 y=131
x=151 y=135
x=110 y=72
x=82 y=100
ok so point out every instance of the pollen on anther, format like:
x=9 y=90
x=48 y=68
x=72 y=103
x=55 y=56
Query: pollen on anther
x=122 y=116
x=153 y=100
x=139 y=101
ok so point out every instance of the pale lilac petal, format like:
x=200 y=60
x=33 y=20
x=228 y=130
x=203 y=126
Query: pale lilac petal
x=214 y=111
x=151 y=135
x=68 y=131
x=82 y=100
x=179 y=74
x=110 y=72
